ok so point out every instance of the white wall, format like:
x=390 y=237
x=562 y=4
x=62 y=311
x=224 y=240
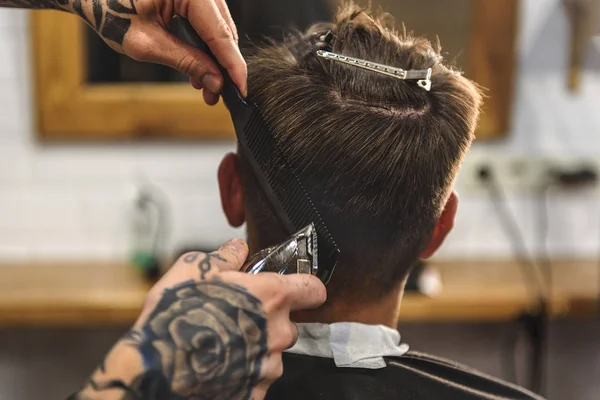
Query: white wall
x=547 y=121
x=65 y=201
x=71 y=201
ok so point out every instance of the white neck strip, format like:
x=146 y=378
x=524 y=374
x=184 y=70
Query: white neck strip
x=350 y=344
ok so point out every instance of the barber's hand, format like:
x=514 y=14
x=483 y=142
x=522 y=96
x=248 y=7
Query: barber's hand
x=138 y=28
x=208 y=331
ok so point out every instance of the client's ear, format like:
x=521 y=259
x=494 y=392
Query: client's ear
x=230 y=187
x=443 y=227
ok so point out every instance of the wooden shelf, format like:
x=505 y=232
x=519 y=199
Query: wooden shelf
x=76 y=294
x=496 y=291
x=84 y=294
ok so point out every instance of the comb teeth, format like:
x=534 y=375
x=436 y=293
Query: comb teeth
x=284 y=188
x=315 y=247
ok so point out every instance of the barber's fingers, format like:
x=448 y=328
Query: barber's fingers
x=210 y=98
x=260 y=391
x=208 y=21
x=304 y=291
x=282 y=333
x=281 y=292
x=271 y=370
x=156 y=45
x=198 y=266
x=226 y=14
x=231 y=256
x=295 y=335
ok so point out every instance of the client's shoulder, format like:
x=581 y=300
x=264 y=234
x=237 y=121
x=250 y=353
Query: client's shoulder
x=414 y=376
x=444 y=374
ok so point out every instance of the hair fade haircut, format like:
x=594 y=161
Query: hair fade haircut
x=378 y=155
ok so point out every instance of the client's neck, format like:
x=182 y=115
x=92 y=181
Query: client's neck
x=382 y=312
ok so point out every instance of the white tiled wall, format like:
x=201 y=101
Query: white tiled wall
x=71 y=201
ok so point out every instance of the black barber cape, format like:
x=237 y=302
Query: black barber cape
x=413 y=376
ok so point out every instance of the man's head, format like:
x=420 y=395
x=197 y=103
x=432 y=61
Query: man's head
x=378 y=155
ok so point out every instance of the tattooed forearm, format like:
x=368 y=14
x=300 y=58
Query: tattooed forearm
x=203 y=340
x=110 y=18
x=34 y=4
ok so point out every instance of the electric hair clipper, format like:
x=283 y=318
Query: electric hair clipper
x=297 y=255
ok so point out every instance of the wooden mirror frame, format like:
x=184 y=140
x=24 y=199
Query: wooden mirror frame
x=69 y=108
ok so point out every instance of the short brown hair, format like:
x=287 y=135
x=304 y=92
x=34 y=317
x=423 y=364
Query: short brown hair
x=378 y=155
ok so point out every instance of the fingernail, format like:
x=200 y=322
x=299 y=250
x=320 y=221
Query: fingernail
x=212 y=83
x=234 y=245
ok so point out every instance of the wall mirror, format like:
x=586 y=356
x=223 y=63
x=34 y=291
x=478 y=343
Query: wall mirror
x=85 y=91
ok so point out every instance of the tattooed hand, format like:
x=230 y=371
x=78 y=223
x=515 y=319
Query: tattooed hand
x=207 y=331
x=138 y=28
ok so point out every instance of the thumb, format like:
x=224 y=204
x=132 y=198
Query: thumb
x=173 y=52
x=231 y=255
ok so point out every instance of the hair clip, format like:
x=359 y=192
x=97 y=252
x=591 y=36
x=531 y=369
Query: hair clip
x=422 y=76
x=326 y=38
x=322 y=41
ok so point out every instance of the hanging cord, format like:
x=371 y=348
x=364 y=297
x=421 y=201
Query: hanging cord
x=542 y=219
x=533 y=322
x=513 y=232
x=541 y=345
x=598 y=270
x=508 y=363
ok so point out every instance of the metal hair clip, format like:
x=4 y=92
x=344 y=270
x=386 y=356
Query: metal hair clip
x=422 y=76
x=327 y=37
x=321 y=41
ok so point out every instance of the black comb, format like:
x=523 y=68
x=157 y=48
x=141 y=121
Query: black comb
x=283 y=188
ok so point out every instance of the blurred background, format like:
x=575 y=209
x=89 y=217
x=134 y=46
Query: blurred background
x=108 y=172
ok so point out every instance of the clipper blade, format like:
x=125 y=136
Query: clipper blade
x=297 y=255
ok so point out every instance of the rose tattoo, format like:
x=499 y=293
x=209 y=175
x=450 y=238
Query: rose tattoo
x=203 y=341
x=190 y=336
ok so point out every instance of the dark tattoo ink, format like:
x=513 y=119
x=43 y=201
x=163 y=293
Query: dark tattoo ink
x=116 y=14
x=191 y=258
x=118 y=21
x=204 y=340
x=132 y=336
x=97 y=8
x=78 y=7
x=116 y=6
x=205 y=265
x=115 y=28
x=34 y=4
